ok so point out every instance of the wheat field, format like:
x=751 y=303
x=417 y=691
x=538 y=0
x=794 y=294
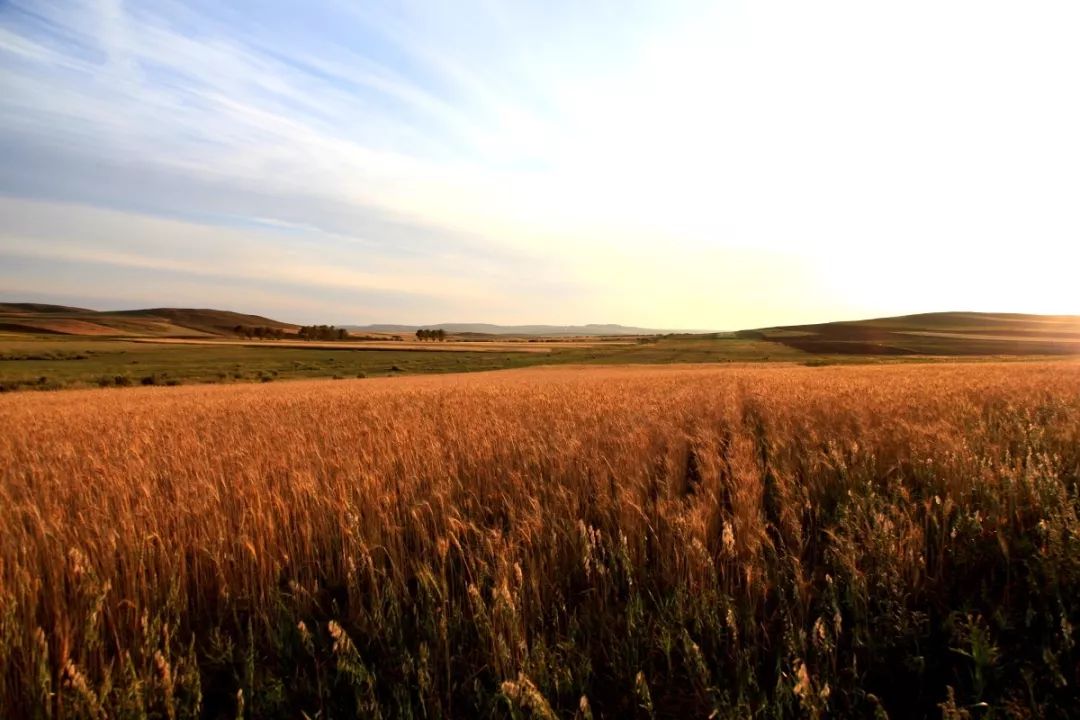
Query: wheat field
x=894 y=541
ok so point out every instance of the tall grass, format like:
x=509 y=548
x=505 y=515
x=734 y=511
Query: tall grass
x=781 y=542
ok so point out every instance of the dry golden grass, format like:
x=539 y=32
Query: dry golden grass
x=668 y=541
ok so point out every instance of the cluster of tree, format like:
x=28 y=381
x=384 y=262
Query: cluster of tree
x=377 y=338
x=322 y=332
x=423 y=334
x=259 y=331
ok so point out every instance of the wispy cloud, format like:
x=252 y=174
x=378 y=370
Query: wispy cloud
x=685 y=163
x=297 y=255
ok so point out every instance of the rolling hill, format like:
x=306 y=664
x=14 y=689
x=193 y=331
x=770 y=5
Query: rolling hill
x=946 y=333
x=37 y=318
x=39 y=308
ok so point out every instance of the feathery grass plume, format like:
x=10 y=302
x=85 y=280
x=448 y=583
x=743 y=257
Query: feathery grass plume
x=584 y=711
x=354 y=672
x=80 y=694
x=642 y=694
x=523 y=695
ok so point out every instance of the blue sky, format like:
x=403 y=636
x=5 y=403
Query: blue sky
x=675 y=164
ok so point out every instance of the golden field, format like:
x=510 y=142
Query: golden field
x=889 y=541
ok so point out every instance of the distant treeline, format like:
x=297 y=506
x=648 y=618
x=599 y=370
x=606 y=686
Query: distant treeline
x=307 y=332
x=423 y=334
x=322 y=332
x=259 y=331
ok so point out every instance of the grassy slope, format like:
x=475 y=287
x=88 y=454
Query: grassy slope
x=53 y=362
x=74 y=362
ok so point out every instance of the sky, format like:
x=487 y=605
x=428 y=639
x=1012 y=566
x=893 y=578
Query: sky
x=708 y=165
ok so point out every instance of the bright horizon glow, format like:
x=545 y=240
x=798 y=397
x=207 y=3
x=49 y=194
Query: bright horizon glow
x=672 y=165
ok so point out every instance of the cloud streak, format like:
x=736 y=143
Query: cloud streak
x=697 y=164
